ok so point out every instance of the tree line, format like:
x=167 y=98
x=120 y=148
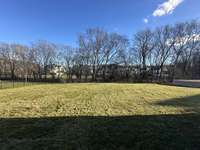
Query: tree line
x=152 y=55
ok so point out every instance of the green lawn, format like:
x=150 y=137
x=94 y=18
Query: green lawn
x=100 y=117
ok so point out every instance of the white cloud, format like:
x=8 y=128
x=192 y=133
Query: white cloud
x=145 y=20
x=166 y=8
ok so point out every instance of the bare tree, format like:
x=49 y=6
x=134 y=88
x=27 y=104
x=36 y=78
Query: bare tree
x=94 y=41
x=8 y=53
x=114 y=52
x=191 y=42
x=107 y=56
x=143 y=46
x=163 y=47
x=186 y=40
x=44 y=53
x=178 y=39
x=84 y=53
x=22 y=60
x=68 y=60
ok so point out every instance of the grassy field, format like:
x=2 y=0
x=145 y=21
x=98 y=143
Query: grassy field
x=100 y=117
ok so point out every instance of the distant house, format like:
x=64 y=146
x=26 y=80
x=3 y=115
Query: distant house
x=57 y=71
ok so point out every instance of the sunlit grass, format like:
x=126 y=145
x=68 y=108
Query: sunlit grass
x=92 y=100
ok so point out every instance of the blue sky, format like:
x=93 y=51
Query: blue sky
x=60 y=21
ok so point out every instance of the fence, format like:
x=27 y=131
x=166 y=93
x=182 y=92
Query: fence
x=5 y=84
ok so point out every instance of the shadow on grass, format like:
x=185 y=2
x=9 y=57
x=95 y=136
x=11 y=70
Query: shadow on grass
x=98 y=133
x=190 y=103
